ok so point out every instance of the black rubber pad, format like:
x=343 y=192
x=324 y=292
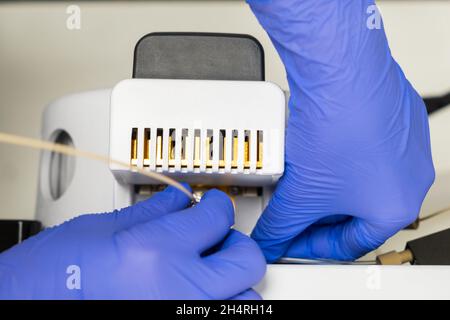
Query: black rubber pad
x=432 y=250
x=203 y=56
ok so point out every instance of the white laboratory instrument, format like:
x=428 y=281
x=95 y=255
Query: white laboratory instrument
x=224 y=134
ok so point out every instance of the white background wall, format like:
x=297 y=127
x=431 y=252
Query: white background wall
x=40 y=60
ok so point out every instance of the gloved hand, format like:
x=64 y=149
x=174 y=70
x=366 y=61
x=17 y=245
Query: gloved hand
x=152 y=250
x=358 y=160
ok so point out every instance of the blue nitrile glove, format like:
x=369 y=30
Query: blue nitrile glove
x=153 y=250
x=358 y=160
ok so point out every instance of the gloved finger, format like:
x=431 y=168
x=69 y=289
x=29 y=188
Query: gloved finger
x=346 y=241
x=282 y=221
x=239 y=263
x=203 y=225
x=248 y=295
x=167 y=201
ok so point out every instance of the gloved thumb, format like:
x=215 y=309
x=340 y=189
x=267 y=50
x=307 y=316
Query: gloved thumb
x=164 y=202
x=282 y=221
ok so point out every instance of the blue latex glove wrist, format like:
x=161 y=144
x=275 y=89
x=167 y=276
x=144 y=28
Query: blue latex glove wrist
x=153 y=250
x=358 y=159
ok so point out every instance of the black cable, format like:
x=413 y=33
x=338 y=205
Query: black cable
x=437 y=103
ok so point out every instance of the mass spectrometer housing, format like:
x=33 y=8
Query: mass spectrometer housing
x=197 y=110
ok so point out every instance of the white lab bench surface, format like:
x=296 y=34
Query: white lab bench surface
x=355 y=282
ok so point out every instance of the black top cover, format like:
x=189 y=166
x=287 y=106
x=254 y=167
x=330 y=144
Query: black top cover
x=205 y=56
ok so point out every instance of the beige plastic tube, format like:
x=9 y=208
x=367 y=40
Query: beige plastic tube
x=63 y=149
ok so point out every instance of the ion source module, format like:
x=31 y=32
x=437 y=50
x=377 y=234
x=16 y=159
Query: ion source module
x=213 y=133
x=208 y=133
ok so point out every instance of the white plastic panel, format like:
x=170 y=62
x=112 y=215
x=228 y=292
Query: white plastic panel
x=204 y=110
x=84 y=116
